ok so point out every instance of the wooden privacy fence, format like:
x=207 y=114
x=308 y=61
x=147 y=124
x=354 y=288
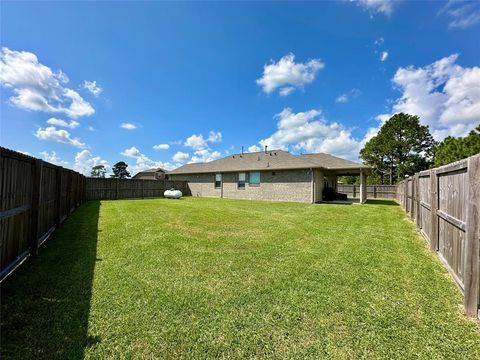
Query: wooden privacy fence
x=36 y=197
x=445 y=205
x=373 y=191
x=108 y=188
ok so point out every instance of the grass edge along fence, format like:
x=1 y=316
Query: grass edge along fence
x=36 y=197
x=445 y=205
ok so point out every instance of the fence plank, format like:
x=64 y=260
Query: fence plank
x=472 y=238
x=433 y=210
x=446 y=209
x=32 y=200
x=37 y=182
x=108 y=188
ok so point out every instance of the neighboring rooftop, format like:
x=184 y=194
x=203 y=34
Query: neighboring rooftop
x=269 y=160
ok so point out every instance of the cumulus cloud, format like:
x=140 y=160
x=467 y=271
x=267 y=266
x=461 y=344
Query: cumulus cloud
x=142 y=161
x=254 y=148
x=287 y=75
x=462 y=14
x=385 y=7
x=198 y=142
x=36 y=87
x=180 y=157
x=205 y=155
x=445 y=95
x=128 y=126
x=344 y=98
x=51 y=133
x=309 y=131
x=85 y=161
x=92 y=87
x=53 y=158
x=161 y=147
x=383 y=56
x=214 y=137
x=72 y=124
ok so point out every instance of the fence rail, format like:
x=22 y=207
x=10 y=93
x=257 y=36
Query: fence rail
x=445 y=205
x=113 y=189
x=373 y=191
x=36 y=197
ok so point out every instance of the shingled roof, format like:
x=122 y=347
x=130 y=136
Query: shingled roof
x=270 y=160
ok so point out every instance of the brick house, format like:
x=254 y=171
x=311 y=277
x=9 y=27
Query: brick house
x=269 y=175
x=151 y=174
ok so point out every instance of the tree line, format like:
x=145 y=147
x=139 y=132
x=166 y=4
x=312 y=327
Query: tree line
x=119 y=171
x=404 y=147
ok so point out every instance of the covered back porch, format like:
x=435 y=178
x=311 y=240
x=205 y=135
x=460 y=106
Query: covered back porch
x=325 y=186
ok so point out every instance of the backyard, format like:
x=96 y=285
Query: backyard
x=204 y=278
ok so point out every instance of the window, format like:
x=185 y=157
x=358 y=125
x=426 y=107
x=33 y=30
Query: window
x=218 y=181
x=254 y=178
x=241 y=180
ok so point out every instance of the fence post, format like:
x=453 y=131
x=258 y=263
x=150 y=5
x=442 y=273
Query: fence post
x=143 y=186
x=353 y=191
x=433 y=210
x=374 y=192
x=58 y=189
x=472 y=238
x=116 y=188
x=36 y=194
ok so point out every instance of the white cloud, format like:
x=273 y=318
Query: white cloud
x=310 y=132
x=205 y=155
x=132 y=152
x=180 y=157
x=85 y=161
x=377 y=6
x=51 y=133
x=198 y=142
x=286 y=75
x=214 y=137
x=37 y=88
x=161 y=147
x=383 y=56
x=344 y=98
x=91 y=128
x=53 y=158
x=24 y=152
x=92 y=87
x=143 y=162
x=254 y=148
x=128 y=126
x=445 y=95
x=463 y=14
x=285 y=91
x=72 y=124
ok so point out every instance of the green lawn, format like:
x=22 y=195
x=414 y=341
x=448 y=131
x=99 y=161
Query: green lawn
x=211 y=278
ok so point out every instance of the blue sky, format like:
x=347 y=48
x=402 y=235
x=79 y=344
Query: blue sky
x=201 y=80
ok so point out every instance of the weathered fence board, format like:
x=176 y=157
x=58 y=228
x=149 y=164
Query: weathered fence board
x=35 y=199
x=373 y=191
x=113 y=189
x=447 y=200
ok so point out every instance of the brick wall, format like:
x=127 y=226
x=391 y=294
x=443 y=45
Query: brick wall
x=284 y=185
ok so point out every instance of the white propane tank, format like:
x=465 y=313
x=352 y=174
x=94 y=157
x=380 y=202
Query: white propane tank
x=172 y=194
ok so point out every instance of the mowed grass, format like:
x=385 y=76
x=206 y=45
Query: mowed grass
x=205 y=278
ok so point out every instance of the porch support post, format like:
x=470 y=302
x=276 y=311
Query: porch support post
x=363 y=187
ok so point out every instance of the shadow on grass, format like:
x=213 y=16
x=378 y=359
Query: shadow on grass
x=382 y=202
x=46 y=302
